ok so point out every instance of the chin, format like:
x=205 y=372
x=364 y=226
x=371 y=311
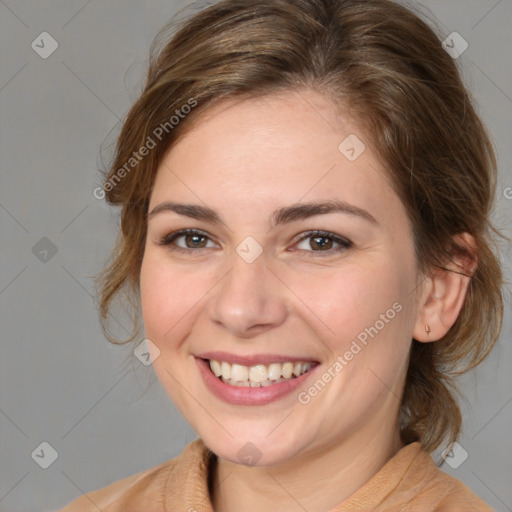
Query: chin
x=252 y=449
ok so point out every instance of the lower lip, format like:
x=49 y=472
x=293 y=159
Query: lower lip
x=246 y=395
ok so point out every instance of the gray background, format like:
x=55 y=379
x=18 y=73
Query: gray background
x=60 y=381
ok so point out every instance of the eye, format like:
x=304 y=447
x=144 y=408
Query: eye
x=323 y=241
x=190 y=239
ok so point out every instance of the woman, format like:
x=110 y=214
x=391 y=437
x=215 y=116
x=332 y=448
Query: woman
x=307 y=228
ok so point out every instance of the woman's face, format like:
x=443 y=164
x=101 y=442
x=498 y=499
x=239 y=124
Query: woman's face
x=257 y=289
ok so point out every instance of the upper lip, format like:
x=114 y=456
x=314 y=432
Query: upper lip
x=252 y=360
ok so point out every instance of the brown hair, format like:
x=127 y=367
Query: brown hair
x=385 y=62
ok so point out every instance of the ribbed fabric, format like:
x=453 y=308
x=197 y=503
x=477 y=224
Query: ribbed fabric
x=410 y=481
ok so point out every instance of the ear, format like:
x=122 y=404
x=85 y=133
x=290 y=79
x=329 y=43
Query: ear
x=444 y=293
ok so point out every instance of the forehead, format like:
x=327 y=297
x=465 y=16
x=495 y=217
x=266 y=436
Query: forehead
x=274 y=150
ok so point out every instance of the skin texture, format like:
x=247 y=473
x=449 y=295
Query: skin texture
x=244 y=160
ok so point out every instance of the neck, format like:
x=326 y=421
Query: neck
x=315 y=482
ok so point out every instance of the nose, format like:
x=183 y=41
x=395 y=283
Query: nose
x=249 y=300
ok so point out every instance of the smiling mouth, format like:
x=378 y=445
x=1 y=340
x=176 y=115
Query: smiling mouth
x=259 y=375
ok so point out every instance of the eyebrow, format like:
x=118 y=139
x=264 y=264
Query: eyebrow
x=282 y=215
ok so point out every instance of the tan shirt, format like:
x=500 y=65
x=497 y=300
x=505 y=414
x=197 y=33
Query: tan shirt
x=410 y=481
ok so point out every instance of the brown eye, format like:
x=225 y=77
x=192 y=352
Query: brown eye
x=323 y=241
x=192 y=241
x=186 y=239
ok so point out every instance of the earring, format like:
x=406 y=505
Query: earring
x=427 y=328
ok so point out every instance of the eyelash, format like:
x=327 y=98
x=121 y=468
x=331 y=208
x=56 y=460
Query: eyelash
x=344 y=243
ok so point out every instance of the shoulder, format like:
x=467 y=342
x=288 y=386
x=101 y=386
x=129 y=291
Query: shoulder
x=438 y=491
x=411 y=481
x=148 y=484
x=453 y=495
x=143 y=489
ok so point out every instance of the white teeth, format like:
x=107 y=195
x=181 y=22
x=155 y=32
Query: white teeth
x=226 y=370
x=287 y=370
x=258 y=375
x=239 y=372
x=274 y=371
x=216 y=369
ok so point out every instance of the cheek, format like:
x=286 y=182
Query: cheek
x=167 y=295
x=366 y=317
x=346 y=301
